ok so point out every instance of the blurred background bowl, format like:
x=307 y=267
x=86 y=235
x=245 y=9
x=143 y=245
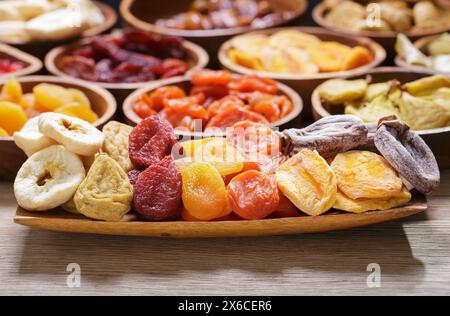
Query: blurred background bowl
x=33 y=64
x=103 y=103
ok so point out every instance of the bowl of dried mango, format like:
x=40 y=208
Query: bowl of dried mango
x=418 y=98
x=383 y=20
x=300 y=57
x=143 y=181
x=23 y=99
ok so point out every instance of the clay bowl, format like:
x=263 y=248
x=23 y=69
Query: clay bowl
x=305 y=84
x=41 y=48
x=385 y=39
x=438 y=139
x=142 y=14
x=196 y=57
x=132 y=118
x=103 y=103
x=421 y=44
x=34 y=65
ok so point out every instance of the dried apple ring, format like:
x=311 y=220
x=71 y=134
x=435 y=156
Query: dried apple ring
x=408 y=153
x=308 y=181
x=344 y=203
x=329 y=136
x=363 y=174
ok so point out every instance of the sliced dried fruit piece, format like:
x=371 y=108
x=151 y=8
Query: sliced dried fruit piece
x=359 y=56
x=48 y=179
x=340 y=91
x=293 y=38
x=241 y=58
x=251 y=83
x=221 y=155
x=80 y=110
x=79 y=96
x=116 y=143
x=150 y=141
x=204 y=193
x=12 y=117
x=408 y=153
x=76 y=135
x=157 y=98
x=189 y=147
x=329 y=56
x=253 y=195
x=232 y=115
x=344 y=203
x=106 y=193
x=12 y=91
x=49 y=97
x=208 y=77
x=427 y=84
x=30 y=140
x=308 y=181
x=363 y=174
x=157 y=192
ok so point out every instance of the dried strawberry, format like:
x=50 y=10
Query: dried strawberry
x=150 y=141
x=157 y=192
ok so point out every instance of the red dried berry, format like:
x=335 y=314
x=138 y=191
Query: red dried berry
x=150 y=141
x=157 y=193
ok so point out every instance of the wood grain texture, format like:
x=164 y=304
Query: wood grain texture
x=414 y=256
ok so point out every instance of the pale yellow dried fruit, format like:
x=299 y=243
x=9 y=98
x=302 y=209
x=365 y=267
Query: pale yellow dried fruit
x=364 y=174
x=106 y=193
x=308 y=182
x=346 y=14
x=427 y=84
x=339 y=91
x=116 y=143
x=344 y=203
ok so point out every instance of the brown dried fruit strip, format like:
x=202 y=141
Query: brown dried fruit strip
x=408 y=153
x=329 y=136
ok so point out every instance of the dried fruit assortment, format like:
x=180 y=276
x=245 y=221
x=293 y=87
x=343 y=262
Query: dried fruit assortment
x=47 y=20
x=217 y=100
x=224 y=14
x=9 y=66
x=294 y=52
x=216 y=179
x=436 y=55
x=128 y=56
x=422 y=104
x=396 y=16
x=17 y=107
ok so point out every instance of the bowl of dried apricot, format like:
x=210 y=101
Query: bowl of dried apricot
x=24 y=98
x=208 y=102
x=300 y=57
x=418 y=98
x=210 y=23
x=383 y=20
x=126 y=60
x=142 y=181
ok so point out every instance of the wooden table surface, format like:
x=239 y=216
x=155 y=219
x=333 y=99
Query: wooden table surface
x=414 y=257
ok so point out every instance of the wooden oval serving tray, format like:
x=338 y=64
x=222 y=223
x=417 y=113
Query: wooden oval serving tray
x=61 y=221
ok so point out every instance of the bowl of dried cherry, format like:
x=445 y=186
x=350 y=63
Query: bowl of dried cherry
x=209 y=23
x=126 y=60
x=15 y=63
x=208 y=102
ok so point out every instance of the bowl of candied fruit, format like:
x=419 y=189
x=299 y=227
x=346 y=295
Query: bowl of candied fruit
x=208 y=102
x=418 y=98
x=126 y=60
x=16 y=63
x=210 y=22
x=300 y=57
x=23 y=99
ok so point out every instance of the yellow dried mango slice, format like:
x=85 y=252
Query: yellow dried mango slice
x=363 y=174
x=245 y=60
x=308 y=182
x=329 y=56
x=340 y=91
x=344 y=203
x=189 y=147
x=359 y=56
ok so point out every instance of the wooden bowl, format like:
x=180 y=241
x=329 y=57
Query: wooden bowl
x=438 y=139
x=142 y=14
x=196 y=57
x=133 y=119
x=41 y=48
x=385 y=39
x=103 y=103
x=305 y=84
x=34 y=65
x=421 y=44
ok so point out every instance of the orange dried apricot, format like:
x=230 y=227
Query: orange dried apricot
x=12 y=117
x=204 y=192
x=79 y=110
x=329 y=56
x=3 y=133
x=49 y=97
x=208 y=77
x=358 y=56
x=79 y=96
x=12 y=91
x=157 y=98
x=251 y=83
x=363 y=174
x=308 y=181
